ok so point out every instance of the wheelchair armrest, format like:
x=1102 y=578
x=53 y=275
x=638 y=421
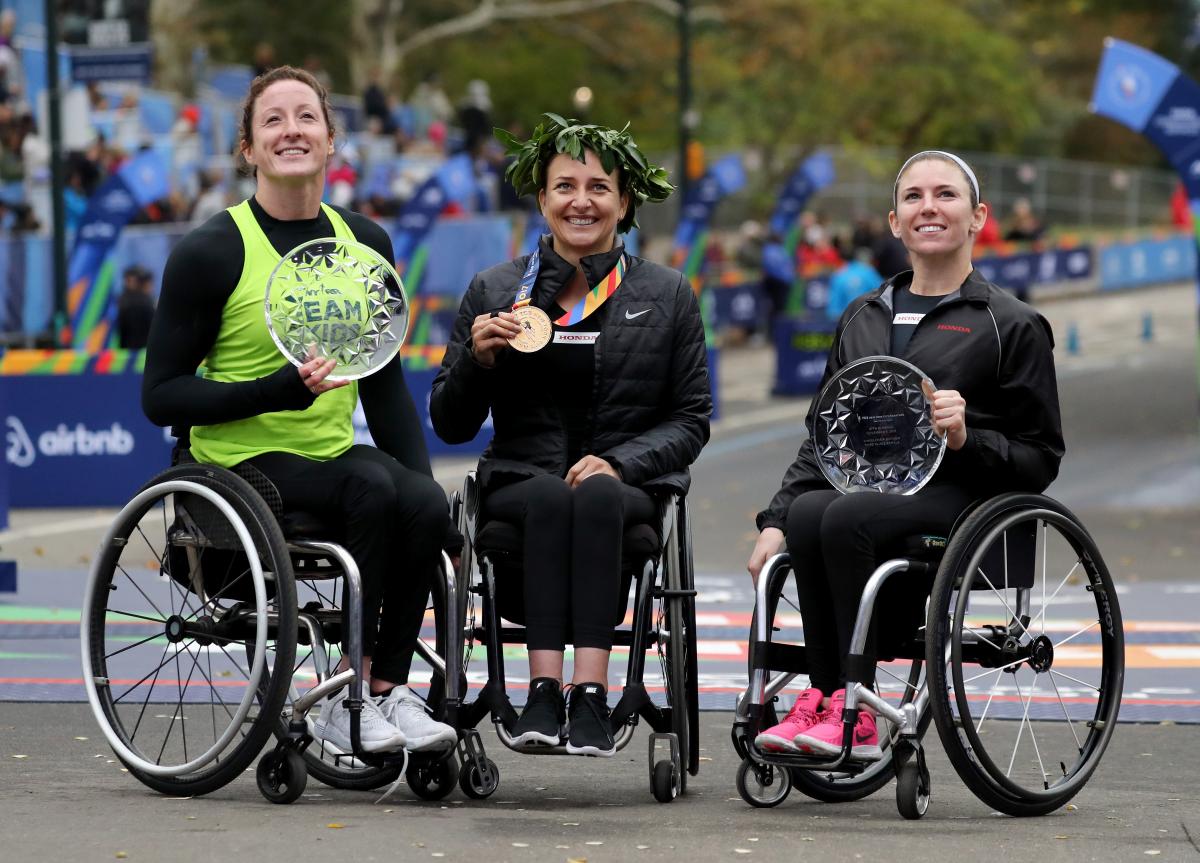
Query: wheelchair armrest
x=676 y=483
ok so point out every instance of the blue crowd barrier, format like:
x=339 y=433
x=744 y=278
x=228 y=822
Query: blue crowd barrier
x=1025 y=269
x=1148 y=262
x=801 y=349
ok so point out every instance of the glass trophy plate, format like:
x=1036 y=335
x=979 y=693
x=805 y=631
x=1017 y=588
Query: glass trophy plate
x=873 y=429
x=339 y=300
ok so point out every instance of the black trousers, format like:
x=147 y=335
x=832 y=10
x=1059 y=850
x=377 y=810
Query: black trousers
x=572 y=557
x=836 y=541
x=395 y=524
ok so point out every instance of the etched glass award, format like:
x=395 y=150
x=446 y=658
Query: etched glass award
x=339 y=300
x=873 y=428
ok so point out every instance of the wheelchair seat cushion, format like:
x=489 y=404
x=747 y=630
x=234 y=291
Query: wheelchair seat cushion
x=297 y=524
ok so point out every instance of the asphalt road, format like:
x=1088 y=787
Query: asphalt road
x=1131 y=474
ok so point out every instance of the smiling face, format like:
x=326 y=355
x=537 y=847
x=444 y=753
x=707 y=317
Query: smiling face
x=291 y=139
x=582 y=204
x=933 y=214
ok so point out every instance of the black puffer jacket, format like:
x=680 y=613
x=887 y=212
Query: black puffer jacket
x=650 y=393
x=996 y=351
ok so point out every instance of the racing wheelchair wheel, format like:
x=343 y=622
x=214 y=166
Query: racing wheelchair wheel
x=188 y=630
x=1024 y=625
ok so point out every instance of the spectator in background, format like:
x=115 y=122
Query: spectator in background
x=890 y=255
x=135 y=308
x=1024 y=226
x=855 y=277
x=376 y=104
x=213 y=198
x=1181 y=208
x=475 y=117
x=264 y=58
x=430 y=104
x=989 y=234
x=314 y=67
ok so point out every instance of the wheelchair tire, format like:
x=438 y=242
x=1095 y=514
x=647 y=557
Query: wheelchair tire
x=763 y=786
x=191 y=540
x=281 y=775
x=471 y=780
x=996 y=612
x=433 y=779
x=664 y=781
x=912 y=790
x=680 y=657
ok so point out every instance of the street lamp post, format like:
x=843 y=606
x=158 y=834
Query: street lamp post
x=686 y=117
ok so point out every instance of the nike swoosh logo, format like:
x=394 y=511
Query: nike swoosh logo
x=629 y=316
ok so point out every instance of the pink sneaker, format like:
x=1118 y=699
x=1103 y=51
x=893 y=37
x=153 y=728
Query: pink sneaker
x=805 y=713
x=826 y=738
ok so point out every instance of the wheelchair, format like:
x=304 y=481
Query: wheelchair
x=657 y=562
x=1018 y=662
x=213 y=622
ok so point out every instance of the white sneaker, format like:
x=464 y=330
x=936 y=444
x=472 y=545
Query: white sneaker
x=406 y=711
x=375 y=732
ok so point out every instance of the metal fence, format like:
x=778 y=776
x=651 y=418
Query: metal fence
x=1064 y=194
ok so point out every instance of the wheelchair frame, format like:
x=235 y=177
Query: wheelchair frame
x=666 y=577
x=199 y=494
x=980 y=543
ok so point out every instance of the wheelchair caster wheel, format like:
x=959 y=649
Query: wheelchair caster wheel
x=433 y=780
x=281 y=775
x=763 y=785
x=912 y=789
x=478 y=782
x=664 y=782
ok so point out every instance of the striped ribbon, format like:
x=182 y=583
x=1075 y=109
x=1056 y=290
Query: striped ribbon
x=595 y=298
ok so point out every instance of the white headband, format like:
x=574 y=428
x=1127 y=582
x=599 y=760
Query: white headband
x=966 y=169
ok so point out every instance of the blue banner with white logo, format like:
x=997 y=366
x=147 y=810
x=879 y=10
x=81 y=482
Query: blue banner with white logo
x=141 y=181
x=815 y=173
x=452 y=182
x=723 y=178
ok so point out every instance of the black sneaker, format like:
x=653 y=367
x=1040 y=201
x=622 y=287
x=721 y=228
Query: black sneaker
x=544 y=715
x=589 y=730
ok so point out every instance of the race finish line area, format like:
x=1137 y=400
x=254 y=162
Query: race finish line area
x=40 y=658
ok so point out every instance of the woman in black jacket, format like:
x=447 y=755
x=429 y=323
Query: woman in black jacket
x=991 y=357
x=592 y=364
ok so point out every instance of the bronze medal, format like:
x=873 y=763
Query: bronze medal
x=535 y=329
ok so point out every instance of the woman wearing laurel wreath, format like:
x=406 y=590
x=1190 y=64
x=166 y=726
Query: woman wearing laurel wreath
x=592 y=363
x=996 y=404
x=294 y=425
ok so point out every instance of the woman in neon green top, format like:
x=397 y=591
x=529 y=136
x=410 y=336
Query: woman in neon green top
x=250 y=405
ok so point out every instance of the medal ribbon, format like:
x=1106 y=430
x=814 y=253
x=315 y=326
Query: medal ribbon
x=591 y=301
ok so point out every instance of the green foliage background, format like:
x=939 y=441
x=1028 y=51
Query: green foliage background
x=996 y=75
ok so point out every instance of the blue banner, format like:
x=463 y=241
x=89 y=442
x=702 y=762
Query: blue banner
x=139 y=182
x=815 y=173
x=724 y=177
x=452 y=182
x=1034 y=268
x=1148 y=262
x=801 y=350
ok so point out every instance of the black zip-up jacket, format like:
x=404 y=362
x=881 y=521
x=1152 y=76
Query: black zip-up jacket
x=996 y=351
x=650 y=402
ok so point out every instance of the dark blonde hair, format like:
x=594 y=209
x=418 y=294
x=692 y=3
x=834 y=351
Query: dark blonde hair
x=257 y=86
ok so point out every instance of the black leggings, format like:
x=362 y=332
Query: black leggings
x=836 y=541
x=572 y=561
x=395 y=524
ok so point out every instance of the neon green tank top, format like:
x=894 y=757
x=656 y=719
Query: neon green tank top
x=245 y=351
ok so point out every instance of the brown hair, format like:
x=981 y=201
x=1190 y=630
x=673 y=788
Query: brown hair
x=257 y=86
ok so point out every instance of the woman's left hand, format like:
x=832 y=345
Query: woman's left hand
x=590 y=465
x=950 y=417
x=314 y=374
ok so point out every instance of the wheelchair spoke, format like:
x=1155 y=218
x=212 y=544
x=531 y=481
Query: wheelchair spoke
x=1066 y=715
x=1032 y=736
x=991 y=696
x=220 y=594
x=1012 y=664
x=1046 y=602
x=151 y=673
x=132 y=646
x=157 y=620
x=983 y=639
x=1003 y=599
x=1091 y=686
x=146 y=700
x=1020 y=728
x=897 y=678
x=138 y=588
x=1091 y=625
